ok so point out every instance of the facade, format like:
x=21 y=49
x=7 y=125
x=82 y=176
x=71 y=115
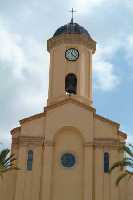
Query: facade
x=65 y=151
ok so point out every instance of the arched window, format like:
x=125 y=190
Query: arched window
x=29 y=160
x=71 y=84
x=106 y=162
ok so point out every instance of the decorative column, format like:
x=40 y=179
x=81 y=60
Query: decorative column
x=88 y=171
x=47 y=171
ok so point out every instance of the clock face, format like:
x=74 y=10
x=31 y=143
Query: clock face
x=72 y=54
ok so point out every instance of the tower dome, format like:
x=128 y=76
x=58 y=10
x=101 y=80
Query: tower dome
x=71 y=28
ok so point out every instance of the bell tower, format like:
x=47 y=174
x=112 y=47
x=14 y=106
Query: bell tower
x=71 y=49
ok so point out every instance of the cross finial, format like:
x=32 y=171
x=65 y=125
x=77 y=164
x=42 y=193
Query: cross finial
x=72 y=11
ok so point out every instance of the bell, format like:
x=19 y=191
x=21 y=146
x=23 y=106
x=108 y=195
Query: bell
x=71 y=89
x=71 y=84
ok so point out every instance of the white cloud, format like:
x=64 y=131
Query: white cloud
x=129 y=48
x=28 y=63
x=130 y=138
x=105 y=79
x=26 y=13
x=104 y=74
x=20 y=52
x=25 y=90
x=10 y=51
x=87 y=5
x=4 y=140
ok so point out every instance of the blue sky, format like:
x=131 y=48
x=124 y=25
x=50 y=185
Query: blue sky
x=25 y=26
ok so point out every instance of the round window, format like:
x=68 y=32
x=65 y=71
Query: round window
x=68 y=160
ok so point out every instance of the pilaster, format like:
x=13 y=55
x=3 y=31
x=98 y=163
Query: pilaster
x=47 y=171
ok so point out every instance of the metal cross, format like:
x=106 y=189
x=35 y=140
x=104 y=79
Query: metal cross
x=72 y=11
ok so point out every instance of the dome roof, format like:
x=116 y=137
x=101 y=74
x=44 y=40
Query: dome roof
x=71 y=28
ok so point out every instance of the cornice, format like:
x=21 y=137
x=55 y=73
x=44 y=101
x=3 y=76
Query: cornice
x=122 y=134
x=66 y=100
x=28 y=140
x=107 y=141
x=72 y=38
x=104 y=143
x=86 y=106
x=39 y=115
x=49 y=143
x=14 y=130
x=40 y=141
x=107 y=120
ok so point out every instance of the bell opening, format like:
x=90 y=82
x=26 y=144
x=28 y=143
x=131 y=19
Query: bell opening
x=71 y=84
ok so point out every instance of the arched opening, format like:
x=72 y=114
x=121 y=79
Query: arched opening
x=106 y=162
x=29 y=160
x=71 y=84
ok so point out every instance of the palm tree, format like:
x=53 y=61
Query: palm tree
x=7 y=161
x=126 y=164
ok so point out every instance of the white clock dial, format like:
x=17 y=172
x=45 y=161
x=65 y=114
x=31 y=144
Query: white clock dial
x=72 y=54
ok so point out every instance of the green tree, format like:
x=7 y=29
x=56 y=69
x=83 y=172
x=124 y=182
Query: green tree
x=7 y=161
x=126 y=164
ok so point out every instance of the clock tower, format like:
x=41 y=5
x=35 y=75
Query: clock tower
x=71 y=49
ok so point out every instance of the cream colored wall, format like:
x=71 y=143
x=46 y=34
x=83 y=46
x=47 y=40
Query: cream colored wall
x=97 y=184
x=105 y=188
x=130 y=189
x=74 y=128
x=23 y=184
x=33 y=127
x=7 y=186
x=104 y=129
x=67 y=183
x=114 y=156
x=108 y=141
x=28 y=182
x=98 y=174
x=69 y=115
x=63 y=117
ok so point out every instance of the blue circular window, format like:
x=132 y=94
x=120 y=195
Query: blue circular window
x=68 y=160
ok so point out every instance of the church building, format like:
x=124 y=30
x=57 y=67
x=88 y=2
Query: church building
x=65 y=152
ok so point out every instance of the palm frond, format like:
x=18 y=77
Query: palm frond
x=3 y=154
x=6 y=162
x=127 y=150
x=121 y=177
x=130 y=145
x=127 y=161
x=122 y=163
x=10 y=158
x=9 y=161
x=126 y=173
x=130 y=175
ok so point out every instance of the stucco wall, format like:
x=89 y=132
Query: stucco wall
x=130 y=189
x=7 y=186
x=69 y=115
x=33 y=127
x=67 y=183
x=105 y=129
x=67 y=128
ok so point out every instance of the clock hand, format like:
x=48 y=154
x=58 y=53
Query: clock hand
x=73 y=54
